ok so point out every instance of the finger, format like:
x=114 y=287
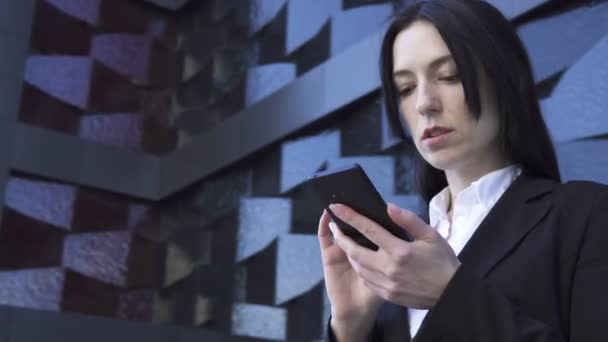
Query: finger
x=380 y=291
x=409 y=221
x=374 y=232
x=368 y=274
x=325 y=238
x=352 y=249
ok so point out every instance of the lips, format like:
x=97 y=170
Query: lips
x=435 y=131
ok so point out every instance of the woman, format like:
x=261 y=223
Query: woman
x=510 y=253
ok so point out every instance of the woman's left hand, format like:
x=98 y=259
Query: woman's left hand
x=411 y=274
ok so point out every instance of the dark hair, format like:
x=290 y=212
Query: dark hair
x=477 y=34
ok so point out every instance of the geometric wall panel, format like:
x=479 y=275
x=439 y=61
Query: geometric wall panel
x=577 y=106
x=141 y=58
x=44 y=201
x=261 y=221
x=261 y=12
x=28 y=243
x=103 y=13
x=101 y=256
x=514 y=8
x=264 y=80
x=301 y=158
x=36 y=288
x=348 y=27
x=127 y=54
x=118 y=129
x=87 y=11
x=259 y=321
x=299 y=266
x=52 y=26
x=82 y=82
x=585 y=159
x=64 y=77
x=581 y=28
x=305 y=18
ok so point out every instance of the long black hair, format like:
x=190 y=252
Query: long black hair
x=477 y=34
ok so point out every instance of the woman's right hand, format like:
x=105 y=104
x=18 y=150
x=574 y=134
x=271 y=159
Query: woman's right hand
x=353 y=304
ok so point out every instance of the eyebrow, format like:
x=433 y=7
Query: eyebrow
x=433 y=65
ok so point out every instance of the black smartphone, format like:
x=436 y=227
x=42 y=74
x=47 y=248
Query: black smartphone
x=352 y=187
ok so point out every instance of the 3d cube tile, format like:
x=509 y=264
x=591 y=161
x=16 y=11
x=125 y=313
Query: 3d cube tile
x=28 y=243
x=301 y=158
x=118 y=129
x=305 y=18
x=299 y=266
x=582 y=28
x=513 y=8
x=266 y=79
x=261 y=221
x=47 y=202
x=585 y=159
x=577 y=106
x=261 y=12
x=259 y=321
x=350 y=26
x=37 y=288
x=101 y=256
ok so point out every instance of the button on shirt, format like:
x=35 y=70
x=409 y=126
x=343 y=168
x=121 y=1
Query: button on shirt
x=470 y=208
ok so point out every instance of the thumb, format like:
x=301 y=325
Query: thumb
x=409 y=221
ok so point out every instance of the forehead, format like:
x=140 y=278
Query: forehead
x=417 y=45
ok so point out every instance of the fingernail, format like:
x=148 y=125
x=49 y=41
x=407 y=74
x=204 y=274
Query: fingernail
x=335 y=208
x=332 y=226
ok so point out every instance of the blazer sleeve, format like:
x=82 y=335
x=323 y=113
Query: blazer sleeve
x=471 y=309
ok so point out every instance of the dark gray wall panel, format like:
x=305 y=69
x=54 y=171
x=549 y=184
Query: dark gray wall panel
x=16 y=17
x=54 y=327
x=580 y=29
x=15 y=30
x=577 y=106
x=587 y=159
x=70 y=159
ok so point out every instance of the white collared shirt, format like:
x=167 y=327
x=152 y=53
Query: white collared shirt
x=470 y=208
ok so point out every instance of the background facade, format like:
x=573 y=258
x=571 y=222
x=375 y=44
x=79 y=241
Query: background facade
x=154 y=151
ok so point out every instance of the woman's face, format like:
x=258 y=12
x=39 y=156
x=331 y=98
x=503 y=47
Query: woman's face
x=433 y=105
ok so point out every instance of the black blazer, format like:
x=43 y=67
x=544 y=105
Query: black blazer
x=536 y=270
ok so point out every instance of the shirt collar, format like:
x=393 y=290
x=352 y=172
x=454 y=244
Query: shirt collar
x=485 y=191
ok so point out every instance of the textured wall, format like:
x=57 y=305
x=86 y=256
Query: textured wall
x=122 y=226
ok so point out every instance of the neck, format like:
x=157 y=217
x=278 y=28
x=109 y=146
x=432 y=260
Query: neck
x=459 y=179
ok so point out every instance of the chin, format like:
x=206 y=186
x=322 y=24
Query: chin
x=442 y=161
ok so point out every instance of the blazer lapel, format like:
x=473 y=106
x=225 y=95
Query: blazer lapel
x=520 y=208
x=516 y=213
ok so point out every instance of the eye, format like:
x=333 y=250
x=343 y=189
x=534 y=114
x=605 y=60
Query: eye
x=451 y=78
x=405 y=91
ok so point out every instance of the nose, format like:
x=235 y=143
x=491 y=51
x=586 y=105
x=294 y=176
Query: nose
x=427 y=101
